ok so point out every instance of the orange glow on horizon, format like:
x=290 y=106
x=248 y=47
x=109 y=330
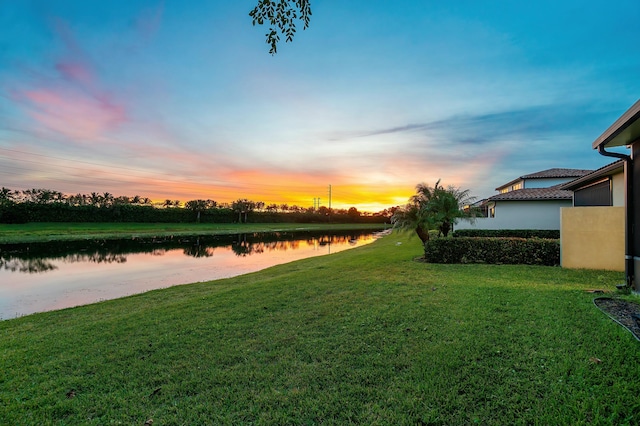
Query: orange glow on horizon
x=280 y=189
x=367 y=193
x=291 y=189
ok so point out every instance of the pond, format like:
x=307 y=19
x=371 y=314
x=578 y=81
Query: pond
x=41 y=277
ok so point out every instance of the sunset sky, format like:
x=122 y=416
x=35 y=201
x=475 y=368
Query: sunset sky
x=181 y=100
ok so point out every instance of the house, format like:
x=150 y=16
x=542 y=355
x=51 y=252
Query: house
x=625 y=132
x=592 y=235
x=531 y=201
x=544 y=179
x=602 y=187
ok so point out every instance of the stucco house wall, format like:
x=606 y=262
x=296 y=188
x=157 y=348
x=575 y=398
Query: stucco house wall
x=520 y=215
x=531 y=201
x=592 y=238
x=618 y=189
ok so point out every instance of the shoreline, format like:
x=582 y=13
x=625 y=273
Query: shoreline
x=47 y=232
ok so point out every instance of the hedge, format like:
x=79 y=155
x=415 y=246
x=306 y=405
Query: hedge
x=553 y=234
x=526 y=251
x=11 y=212
x=60 y=212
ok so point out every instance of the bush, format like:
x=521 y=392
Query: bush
x=526 y=251
x=553 y=234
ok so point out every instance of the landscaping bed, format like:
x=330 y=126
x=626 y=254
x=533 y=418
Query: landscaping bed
x=624 y=312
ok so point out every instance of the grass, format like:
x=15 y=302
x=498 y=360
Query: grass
x=42 y=232
x=366 y=336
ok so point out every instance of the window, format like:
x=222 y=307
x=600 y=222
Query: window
x=598 y=194
x=513 y=187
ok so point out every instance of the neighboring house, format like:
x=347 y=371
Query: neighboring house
x=625 y=132
x=592 y=235
x=602 y=187
x=531 y=201
x=544 y=179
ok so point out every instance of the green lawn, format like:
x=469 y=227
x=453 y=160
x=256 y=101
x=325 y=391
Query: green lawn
x=39 y=232
x=367 y=336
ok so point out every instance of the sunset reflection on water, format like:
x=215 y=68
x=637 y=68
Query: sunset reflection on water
x=29 y=285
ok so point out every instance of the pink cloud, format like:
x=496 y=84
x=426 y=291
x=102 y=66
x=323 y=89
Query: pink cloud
x=71 y=101
x=76 y=72
x=73 y=115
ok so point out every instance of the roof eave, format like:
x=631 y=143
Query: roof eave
x=607 y=170
x=532 y=199
x=624 y=131
x=509 y=183
x=510 y=197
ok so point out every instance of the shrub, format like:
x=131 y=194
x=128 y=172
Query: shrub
x=527 y=251
x=553 y=234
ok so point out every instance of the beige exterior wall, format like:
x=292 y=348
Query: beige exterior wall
x=592 y=238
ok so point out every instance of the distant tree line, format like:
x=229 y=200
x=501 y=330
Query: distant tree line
x=45 y=205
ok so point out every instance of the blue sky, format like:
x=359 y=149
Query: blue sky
x=181 y=100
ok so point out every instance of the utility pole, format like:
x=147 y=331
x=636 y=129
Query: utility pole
x=329 y=203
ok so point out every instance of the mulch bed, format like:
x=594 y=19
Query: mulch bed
x=624 y=312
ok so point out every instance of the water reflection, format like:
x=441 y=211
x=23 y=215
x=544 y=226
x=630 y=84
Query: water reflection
x=35 y=258
x=29 y=266
x=46 y=276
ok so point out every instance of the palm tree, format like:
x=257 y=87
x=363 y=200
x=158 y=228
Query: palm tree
x=107 y=199
x=197 y=206
x=412 y=217
x=6 y=195
x=434 y=208
x=122 y=199
x=59 y=197
x=449 y=205
x=77 y=200
x=95 y=199
x=244 y=207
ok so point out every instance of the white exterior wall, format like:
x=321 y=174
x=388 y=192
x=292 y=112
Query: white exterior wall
x=520 y=215
x=545 y=183
x=618 y=189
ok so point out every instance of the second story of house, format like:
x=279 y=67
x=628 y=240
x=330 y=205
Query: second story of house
x=602 y=187
x=531 y=201
x=543 y=179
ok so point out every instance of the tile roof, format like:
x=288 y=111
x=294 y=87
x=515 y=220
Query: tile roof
x=557 y=173
x=533 y=194
x=549 y=173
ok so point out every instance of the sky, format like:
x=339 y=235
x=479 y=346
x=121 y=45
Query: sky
x=181 y=100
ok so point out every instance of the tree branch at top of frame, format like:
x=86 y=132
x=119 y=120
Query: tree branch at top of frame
x=281 y=16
